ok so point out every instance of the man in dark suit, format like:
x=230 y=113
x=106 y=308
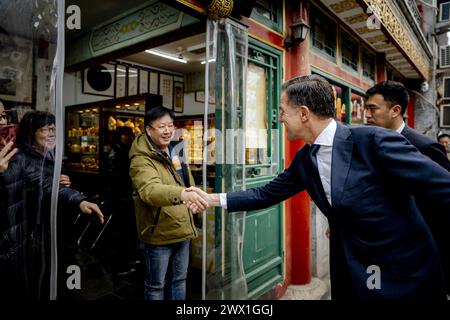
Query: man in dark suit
x=385 y=107
x=364 y=180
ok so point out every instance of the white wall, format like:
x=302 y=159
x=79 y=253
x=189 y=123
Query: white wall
x=73 y=95
x=192 y=107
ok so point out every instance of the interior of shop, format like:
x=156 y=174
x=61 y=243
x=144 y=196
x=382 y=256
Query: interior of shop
x=116 y=94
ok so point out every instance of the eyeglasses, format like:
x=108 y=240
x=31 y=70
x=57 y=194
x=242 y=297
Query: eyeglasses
x=162 y=127
x=46 y=130
x=3 y=116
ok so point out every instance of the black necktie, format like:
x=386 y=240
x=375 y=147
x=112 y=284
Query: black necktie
x=313 y=155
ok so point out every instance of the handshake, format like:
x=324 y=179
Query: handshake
x=198 y=200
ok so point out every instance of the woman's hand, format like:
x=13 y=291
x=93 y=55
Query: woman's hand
x=89 y=207
x=5 y=155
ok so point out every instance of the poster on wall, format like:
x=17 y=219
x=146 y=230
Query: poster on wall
x=166 y=90
x=99 y=80
x=339 y=104
x=178 y=97
x=153 y=83
x=132 y=81
x=256 y=114
x=357 y=109
x=16 y=70
x=121 y=81
x=143 y=81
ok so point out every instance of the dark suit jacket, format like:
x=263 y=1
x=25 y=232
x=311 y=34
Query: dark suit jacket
x=427 y=146
x=438 y=222
x=374 y=218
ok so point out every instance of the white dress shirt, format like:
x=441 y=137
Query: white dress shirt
x=324 y=155
x=399 y=130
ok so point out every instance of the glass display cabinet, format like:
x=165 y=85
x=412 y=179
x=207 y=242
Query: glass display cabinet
x=89 y=133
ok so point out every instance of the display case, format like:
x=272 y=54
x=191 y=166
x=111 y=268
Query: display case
x=191 y=128
x=82 y=139
x=90 y=131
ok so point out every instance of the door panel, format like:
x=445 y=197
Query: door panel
x=248 y=257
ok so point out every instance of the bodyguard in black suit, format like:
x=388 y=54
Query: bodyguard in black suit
x=364 y=179
x=386 y=106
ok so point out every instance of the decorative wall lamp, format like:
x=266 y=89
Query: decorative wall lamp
x=299 y=32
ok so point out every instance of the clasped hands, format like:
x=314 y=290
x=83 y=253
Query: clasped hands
x=198 y=200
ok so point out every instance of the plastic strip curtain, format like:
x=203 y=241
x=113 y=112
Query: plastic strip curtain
x=31 y=71
x=226 y=65
x=56 y=92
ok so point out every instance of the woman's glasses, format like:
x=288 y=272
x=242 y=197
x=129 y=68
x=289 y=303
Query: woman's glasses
x=47 y=129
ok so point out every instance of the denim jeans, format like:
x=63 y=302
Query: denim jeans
x=166 y=271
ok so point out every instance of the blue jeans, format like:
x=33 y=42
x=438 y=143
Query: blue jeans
x=166 y=271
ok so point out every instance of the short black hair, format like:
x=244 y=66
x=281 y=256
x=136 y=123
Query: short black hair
x=312 y=91
x=30 y=123
x=393 y=92
x=120 y=131
x=157 y=112
x=443 y=135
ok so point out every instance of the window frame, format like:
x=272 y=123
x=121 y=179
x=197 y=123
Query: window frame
x=364 y=53
x=274 y=25
x=348 y=37
x=330 y=20
x=441 y=10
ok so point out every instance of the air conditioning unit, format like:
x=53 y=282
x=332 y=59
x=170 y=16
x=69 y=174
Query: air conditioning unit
x=446 y=87
x=445 y=116
x=444 y=60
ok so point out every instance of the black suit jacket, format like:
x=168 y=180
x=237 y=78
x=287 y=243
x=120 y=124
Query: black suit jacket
x=438 y=222
x=427 y=146
x=375 y=175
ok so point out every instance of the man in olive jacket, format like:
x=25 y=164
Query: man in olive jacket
x=164 y=224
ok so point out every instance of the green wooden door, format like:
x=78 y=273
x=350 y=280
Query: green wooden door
x=244 y=77
x=263 y=239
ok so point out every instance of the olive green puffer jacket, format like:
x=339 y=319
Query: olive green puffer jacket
x=161 y=217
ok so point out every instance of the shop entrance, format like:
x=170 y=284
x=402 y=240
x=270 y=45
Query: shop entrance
x=232 y=115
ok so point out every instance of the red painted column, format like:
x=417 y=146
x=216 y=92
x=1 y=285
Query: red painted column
x=298 y=233
x=410 y=110
x=381 y=67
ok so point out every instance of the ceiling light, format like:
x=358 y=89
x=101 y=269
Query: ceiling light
x=163 y=55
x=210 y=60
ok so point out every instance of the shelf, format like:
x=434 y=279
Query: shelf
x=79 y=137
x=119 y=112
x=84 y=171
x=83 y=153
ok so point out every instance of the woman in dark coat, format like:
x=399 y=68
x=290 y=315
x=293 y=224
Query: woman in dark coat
x=25 y=188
